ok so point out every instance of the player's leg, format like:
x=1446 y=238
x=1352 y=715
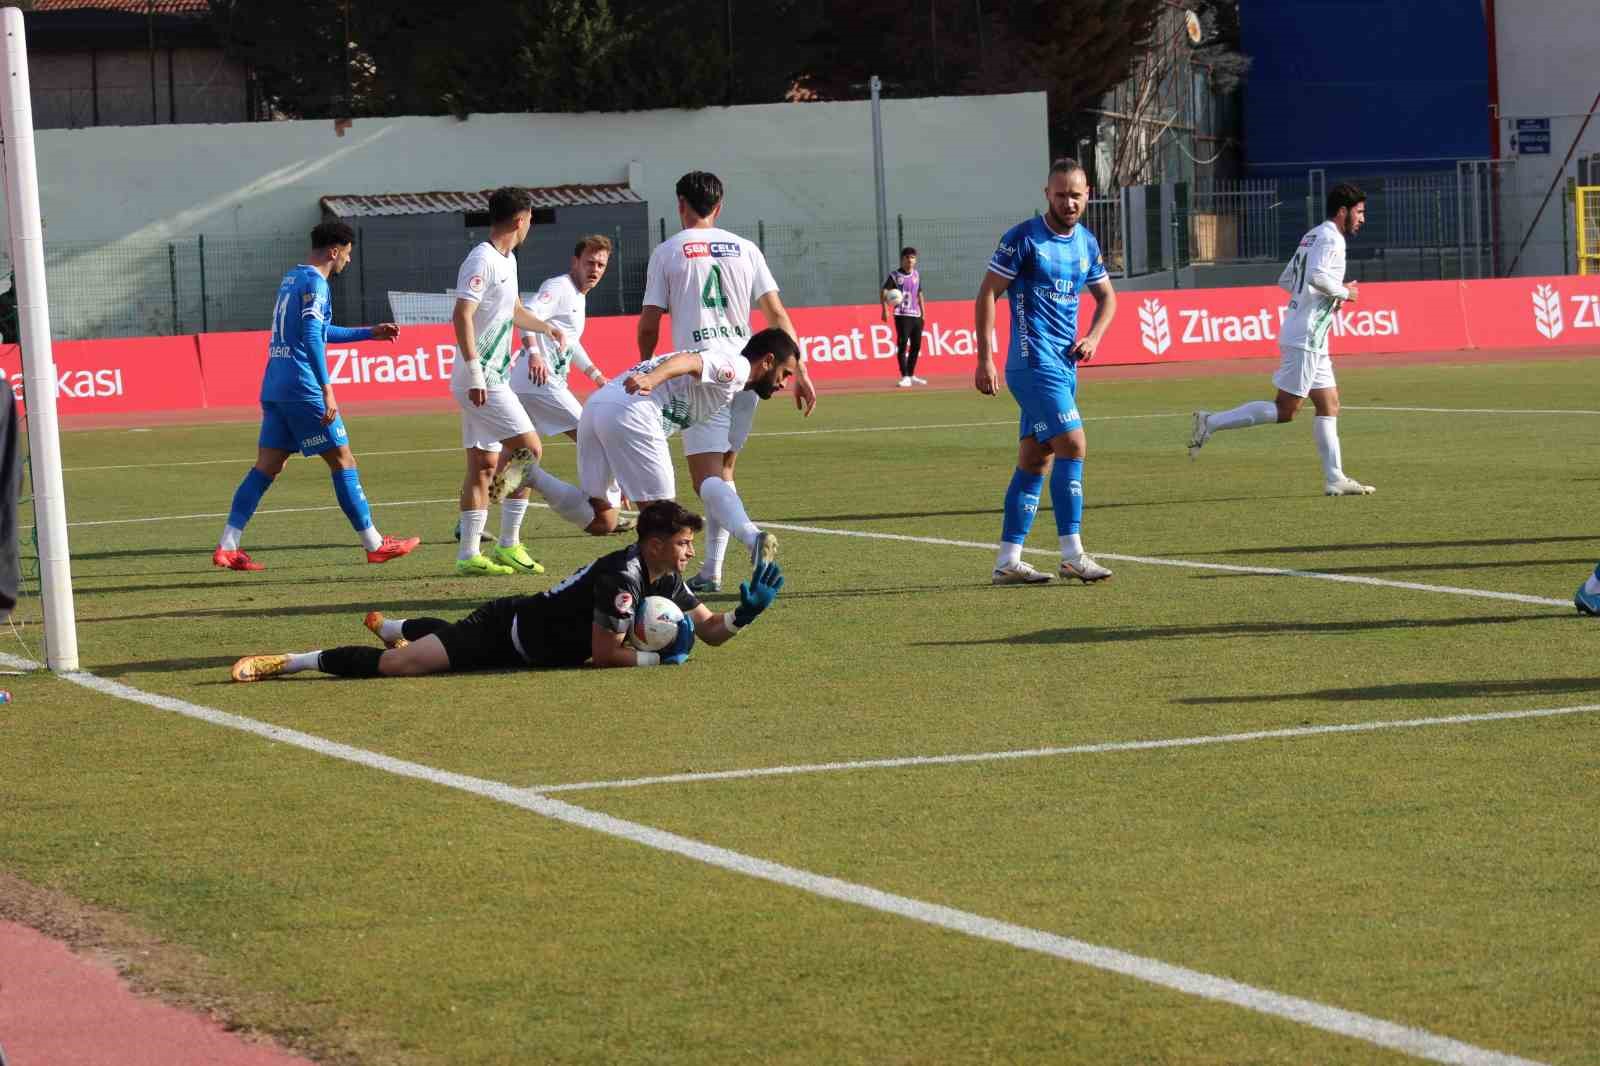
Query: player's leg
x=1022 y=494
x=1325 y=430
x=1587 y=598
x=704 y=467
x=353 y=502
x=518 y=455
x=616 y=498
x=482 y=429
x=1066 y=498
x=914 y=328
x=425 y=656
x=721 y=497
x=274 y=445
x=600 y=427
x=902 y=340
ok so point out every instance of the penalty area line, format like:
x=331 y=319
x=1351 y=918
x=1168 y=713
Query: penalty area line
x=1394 y=1036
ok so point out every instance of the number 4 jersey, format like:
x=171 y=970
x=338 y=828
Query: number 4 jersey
x=707 y=280
x=1314 y=280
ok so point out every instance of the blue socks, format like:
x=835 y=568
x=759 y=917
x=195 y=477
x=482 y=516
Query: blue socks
x=352 y=500
x=1066 y=495
x=247 y=497
x=1022 y=503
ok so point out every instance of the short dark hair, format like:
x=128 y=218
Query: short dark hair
x=774 y=342
x=1066 y=165
x=663 y=518
x=594 y=242
x=907 y=250
x=701 y=190
x=331 y=233
x=1344 y=194
x=507 y=202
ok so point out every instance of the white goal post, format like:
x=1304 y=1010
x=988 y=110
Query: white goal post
x=38 y=359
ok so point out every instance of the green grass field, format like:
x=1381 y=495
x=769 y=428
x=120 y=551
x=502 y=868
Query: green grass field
x=1440 y=880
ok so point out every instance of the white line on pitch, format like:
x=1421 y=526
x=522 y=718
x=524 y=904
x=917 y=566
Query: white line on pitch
x=1190 y=564
x=1078 y=749
x=1386 y=1034
x=1469 y=410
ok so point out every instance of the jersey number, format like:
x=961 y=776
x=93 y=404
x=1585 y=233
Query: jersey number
x=711 y=294
x=278 y=314
x=1300 y=271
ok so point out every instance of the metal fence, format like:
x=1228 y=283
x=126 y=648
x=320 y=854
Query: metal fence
x=1234 y=220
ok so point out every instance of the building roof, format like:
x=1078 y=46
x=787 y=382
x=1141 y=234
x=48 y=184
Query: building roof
x=132 y=7
x=431 y=203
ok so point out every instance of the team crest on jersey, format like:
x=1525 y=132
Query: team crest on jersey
x=725 y=375
x=624 y=603
x=1083 y=264
x=475 y=283
x=308 y=297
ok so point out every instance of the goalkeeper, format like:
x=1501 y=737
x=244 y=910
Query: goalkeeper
x=584 y=618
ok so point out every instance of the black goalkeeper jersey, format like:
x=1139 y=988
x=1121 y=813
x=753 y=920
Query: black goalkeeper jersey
x=553 y=626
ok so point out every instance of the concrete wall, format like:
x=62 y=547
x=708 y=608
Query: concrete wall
x=1546 y=63
x=118 y=195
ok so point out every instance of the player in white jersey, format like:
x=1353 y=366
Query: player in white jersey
x=495 y=429
x=1314 y=280
x=623 y=431
x=706 y=280
x=541 y=380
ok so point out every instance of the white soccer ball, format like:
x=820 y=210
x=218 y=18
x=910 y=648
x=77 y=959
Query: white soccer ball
x=655 y=624
x=893 y=297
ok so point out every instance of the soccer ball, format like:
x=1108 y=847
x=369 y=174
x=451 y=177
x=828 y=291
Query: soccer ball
x=655 y=624
x=893 y=296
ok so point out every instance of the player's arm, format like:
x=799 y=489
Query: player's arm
x=534 y=324
x=755 y=596
x=649 y=330
x=1325 y=272
x=985 y=378
x=313 y=333
x=805 y=391
x=676 y=366
x=467 y=349
x=1105 y=307
x=883 y=297
x=608 y=648
x=383 y=331
x=583 y=364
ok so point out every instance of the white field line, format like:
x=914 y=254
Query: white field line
x=1182 y=564
x=1390 y=1035
x=1077 y=749
x=1468 y=410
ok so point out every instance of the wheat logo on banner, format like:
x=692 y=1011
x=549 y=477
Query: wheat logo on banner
x=1154 y=333
x=1547 y=312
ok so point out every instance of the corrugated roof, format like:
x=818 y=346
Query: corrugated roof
x=432 y=203
x=132 y=7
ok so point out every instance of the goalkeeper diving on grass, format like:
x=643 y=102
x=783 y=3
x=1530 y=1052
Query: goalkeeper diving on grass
x=588 y=617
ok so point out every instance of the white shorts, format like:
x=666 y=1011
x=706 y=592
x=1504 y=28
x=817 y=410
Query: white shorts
x=553 y=410
x=725 y=431
x=624 y=442
x=500 y=418
x=1301 y=371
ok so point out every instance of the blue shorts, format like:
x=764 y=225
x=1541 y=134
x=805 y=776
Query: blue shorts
x=1048 y=398
x=293 y=426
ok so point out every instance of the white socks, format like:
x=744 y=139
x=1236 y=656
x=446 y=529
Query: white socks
x=392 y=628
x=511 y=512
x=306 y=660
x=716 y=544
x=230 y=539
x=1009 y=554
x=568 y=501
x=472 y=523
x=723 y=504
x=371 y=539
x=1071 y=545
x=1326 y=432
x=1254 y=413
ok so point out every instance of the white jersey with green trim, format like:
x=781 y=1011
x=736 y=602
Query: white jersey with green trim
x=488 y=279
x=689 y=399
x=706 y=280
x=1314 y=280
x=559 y=303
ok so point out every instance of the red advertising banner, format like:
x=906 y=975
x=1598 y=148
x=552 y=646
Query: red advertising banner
x=853 y=343
x=116 y=376
x=1532 y=312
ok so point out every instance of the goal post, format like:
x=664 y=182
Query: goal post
x=1587 y=198
x=38 y=359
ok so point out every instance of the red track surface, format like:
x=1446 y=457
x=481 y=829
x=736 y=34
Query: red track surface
x=62 y=1009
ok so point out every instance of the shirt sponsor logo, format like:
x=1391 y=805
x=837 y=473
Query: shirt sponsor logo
x=623 y=603
x=696 y=250
x=725 y=249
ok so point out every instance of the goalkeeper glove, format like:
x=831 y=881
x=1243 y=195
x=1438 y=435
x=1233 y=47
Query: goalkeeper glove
x=757 y=594
x=677 y=653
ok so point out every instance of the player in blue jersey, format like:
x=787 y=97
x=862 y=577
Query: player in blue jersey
x=1041 y=266
x=298 y=410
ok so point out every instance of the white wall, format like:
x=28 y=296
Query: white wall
x=1546 y=64
x=128 y=189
